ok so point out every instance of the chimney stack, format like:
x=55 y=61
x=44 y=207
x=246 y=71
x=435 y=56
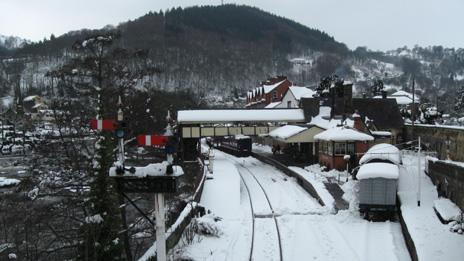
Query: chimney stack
x=384 y=94
x=357 y=121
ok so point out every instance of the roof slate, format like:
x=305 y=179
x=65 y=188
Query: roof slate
x=384 y=113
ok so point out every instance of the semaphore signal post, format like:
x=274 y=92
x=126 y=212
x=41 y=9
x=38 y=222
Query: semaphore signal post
x=158 y=178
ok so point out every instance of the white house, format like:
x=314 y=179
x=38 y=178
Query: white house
x=293 y=95
x=402 y=98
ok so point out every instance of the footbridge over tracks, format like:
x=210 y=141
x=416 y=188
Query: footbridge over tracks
x=195 y=124
x=218 y=123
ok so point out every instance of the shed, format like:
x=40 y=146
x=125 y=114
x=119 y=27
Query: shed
x=337 y=142
x=297 y=141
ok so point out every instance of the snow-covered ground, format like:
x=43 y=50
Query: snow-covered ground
x=344 y=236
x=260 y=148
x=318 y=184
x=433 y=240
x=307 y=231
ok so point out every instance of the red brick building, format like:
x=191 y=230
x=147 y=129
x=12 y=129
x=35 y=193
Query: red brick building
x=269 y=91
x=335 y=143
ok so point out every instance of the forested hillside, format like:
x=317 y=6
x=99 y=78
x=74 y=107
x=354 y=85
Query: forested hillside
x=217 y=53
x=208 y=50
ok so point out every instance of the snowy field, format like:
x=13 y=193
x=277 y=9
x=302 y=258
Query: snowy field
x=306 y=230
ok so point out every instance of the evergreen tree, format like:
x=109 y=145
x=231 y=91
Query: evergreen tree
x=101 y=237
x=377 y=87
x=459 y=101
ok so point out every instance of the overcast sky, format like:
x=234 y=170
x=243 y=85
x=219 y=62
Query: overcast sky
x=377 y=24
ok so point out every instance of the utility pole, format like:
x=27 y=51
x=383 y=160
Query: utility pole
x=419 y=173
x=413 y=110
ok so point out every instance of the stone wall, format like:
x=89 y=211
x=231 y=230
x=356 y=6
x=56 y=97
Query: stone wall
x=448 y=142
x=449 y=179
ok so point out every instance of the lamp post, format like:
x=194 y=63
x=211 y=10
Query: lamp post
x=347 y=159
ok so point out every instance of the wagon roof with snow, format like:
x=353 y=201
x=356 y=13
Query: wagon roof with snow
x=378 y=170
x=384 y=152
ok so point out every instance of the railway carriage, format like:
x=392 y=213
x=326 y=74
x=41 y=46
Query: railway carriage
x=238 y=145
x=378 y=183
x=378 y=179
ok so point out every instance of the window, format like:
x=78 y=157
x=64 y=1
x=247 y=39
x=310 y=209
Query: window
x=344 y=148
x=323 y=147
x=350 y=149
x=289 y=104
x=274 y=95
x=329 y=148
x=340 y=148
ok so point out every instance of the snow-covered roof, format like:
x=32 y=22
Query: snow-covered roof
x=381 y=133
x=258 y=115
x=286 y=131
x=402 y=93
x=272 y=105
x=241 y=137
x=4 y=182
x=382 y=151
x=38 y=105
x=400 y=100
x=156 y=169
x=269 y=88
x=301 y=92
x=343 y=133
x=323 y=120
x=378 y=170
x=6 y=101
x=30 y=98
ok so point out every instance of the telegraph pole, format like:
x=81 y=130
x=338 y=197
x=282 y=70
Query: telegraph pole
x=413 y=110
x=419 y=173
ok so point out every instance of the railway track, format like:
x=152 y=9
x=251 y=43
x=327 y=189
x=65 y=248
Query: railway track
x=243 y=170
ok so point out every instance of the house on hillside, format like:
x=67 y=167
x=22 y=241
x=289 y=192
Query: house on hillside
x=381 y=117
x=34 y=103
x=269 y=91
x=293 y=95
x=6 y=103
x=404 y=100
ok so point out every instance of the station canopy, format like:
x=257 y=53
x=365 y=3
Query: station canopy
x=250 y=115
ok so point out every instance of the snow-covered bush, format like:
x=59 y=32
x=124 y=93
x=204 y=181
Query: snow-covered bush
x=207 y=225
x=457 y=226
